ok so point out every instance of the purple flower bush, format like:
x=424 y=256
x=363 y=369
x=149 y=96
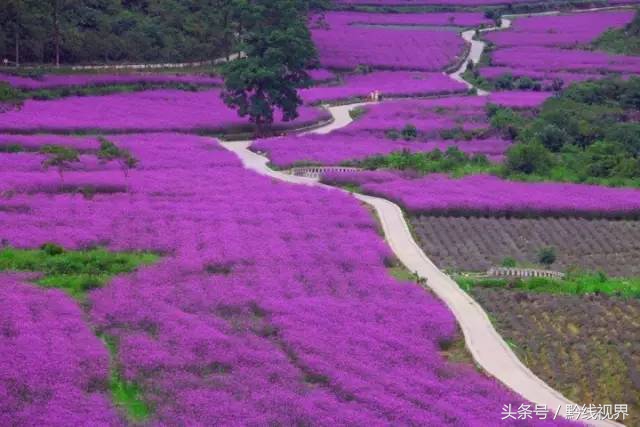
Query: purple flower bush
x=345 y=46
x=51 y=81
x=388 y=83
x=272 y=304
x=52 y=364
x=164 y=110
x=489 y=195
x=545 y=48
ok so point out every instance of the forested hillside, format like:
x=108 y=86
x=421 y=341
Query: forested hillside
x=79 y=31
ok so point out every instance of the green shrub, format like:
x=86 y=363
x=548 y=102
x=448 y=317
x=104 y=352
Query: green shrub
x=509 y=262
x=505 y=82
x=409 y=132
x=528 y=158
x=525 y=83
x=552 y=137
x=357 y=112
x=547 y=256
x=52 y=249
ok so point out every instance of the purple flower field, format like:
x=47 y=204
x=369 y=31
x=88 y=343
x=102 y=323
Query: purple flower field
x=345 y=46
x=489 y=195
x=545 y=48
x=559 y=30
x=365 y=137
x=340 y=147
x=157 y=110
x=272 y=304
x=388 y=83
x=55 y=81
x=462 y=19
x=50 y=359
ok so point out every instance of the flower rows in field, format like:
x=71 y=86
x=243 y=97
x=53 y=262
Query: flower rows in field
x=489 y=195
x=461 y=19
x=272 y=305
x=343 y=45
x=368 y=135
x=156 y=110
x=50 y=81
x=388 y=83
x=52 y=363
x=545 y=48
x=53 y=81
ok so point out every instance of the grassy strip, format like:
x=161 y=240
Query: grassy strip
x=75 y=272
x=125 y=394
x=578 y=284
x=452 y=161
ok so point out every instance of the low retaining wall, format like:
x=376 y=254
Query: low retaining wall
x=316 y=171
x=523 y=272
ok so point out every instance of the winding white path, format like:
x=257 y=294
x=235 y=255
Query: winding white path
x=488 y=348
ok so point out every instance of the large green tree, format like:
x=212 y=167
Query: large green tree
x=277 y=50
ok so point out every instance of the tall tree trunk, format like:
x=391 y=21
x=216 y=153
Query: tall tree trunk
x=56 y=31
x=17 y=45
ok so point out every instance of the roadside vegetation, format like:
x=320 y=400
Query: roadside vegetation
x=574 y=284
x=625 y=41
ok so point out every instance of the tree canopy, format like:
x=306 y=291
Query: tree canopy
x=277 y=50
x=81 y=31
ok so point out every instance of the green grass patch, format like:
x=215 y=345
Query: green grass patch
x=452 y=161
x=75 y=272
x=125 y=394
x=574 y=284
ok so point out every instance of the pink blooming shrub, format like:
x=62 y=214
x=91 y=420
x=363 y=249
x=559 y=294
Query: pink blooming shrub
x=271 y=305
x=489 y=195
x=388 y=83
x=156 y=110
x=345 y=46
x=51 y=81
x=53 y=368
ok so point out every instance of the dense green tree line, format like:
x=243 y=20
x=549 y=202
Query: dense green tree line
x=78 y=31
x=589 y=133
x=81 y=31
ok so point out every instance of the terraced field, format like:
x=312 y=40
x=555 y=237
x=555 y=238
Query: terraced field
x=478 y=243
x=587 y=347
